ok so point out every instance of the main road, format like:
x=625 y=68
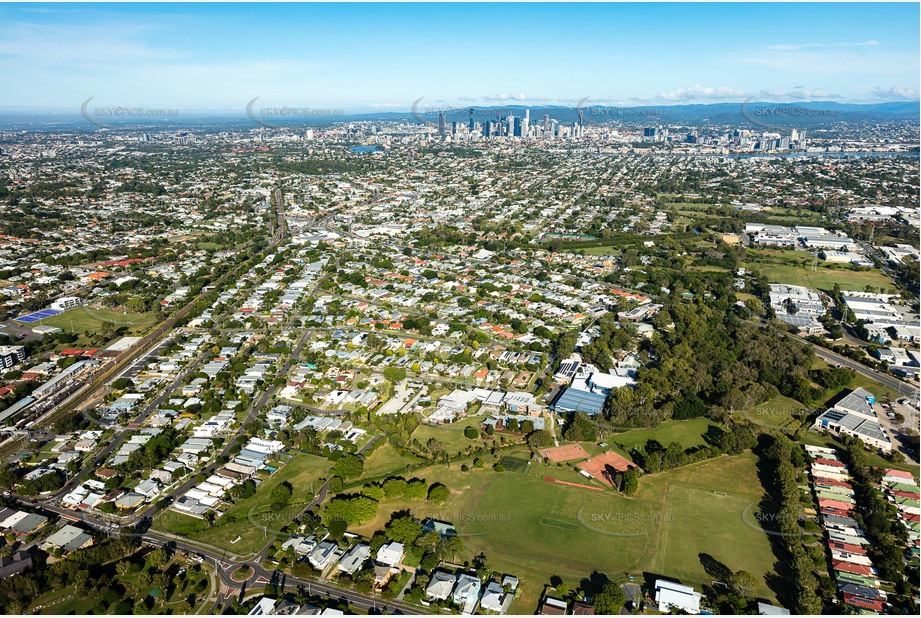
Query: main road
x=885 y=379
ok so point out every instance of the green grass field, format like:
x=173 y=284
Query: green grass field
x=452 y=435
x=77 y=605
x=794 y=267
x=686 y=433
x=83 y=319
x=603 y=250
x=774 y=413
x=385 y=460
x=535 y=529
x=824 y=278
x=178 y=523
x=673 y=518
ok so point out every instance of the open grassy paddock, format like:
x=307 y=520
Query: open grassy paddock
x=686 y=433
x=774 y=413
x=385 y=460
x=674 y=517
x=452 y=435
x=794 y=267
x=603 y=250
x=824 y=278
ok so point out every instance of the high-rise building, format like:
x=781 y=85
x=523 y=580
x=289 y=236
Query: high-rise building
x=471 y=124
x=546 y=123
x=442 y=125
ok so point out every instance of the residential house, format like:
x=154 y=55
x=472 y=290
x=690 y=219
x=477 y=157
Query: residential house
x=671 y=595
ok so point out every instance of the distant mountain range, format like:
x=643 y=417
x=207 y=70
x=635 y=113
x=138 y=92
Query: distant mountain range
x=761 y=114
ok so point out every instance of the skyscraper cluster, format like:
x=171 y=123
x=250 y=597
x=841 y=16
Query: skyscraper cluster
x=507 y=126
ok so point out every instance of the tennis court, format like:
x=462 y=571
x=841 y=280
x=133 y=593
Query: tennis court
x=515 y=464
x=37 y=316
x=567 y=452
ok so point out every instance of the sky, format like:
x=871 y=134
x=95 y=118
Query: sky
x=386 y=57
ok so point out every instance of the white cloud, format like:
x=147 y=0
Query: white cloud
x=697 y=93
x=895 y=93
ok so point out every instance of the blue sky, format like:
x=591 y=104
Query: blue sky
x=374 y=56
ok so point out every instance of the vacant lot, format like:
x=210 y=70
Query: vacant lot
x=774 y=413
x=384 y=461
x=603 y=250
x=452 y=435
x=686 y=433
x=795 y=267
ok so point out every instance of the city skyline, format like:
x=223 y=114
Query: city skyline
x=220 y=57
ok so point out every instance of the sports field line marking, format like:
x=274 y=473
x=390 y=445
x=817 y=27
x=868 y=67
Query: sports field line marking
x=556 y=523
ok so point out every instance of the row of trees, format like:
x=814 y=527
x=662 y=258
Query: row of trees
x=357 y=508
x=783 y=465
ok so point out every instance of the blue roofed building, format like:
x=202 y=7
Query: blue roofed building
x=575 y=400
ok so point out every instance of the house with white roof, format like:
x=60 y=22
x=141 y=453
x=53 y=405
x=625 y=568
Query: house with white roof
x=440 y=585
x=390 y=554
x=323 y=555
x=672 y=595
x=354 y=558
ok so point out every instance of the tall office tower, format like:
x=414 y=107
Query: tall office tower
x=518 y=124
x=546 y=123
x=442 y=125
x=510 y=126
x=471 y=124
x=454 y=128
x=524 y=123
